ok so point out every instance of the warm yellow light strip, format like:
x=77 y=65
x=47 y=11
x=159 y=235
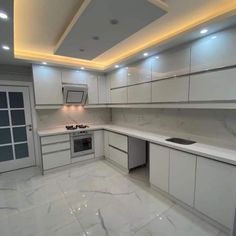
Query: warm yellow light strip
x=217 y=14
x=58 y=60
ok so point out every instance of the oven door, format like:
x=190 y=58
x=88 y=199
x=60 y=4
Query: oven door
x=82 y=145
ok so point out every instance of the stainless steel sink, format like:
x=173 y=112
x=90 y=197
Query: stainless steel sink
x=180 y=141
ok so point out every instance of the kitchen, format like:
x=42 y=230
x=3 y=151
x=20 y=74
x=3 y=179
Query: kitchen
x=103 y=134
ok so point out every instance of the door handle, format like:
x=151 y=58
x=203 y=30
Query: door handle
x=29 y=127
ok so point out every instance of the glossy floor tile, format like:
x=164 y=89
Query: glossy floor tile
x=93 y=199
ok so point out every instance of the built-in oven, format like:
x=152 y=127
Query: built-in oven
x=82 y=143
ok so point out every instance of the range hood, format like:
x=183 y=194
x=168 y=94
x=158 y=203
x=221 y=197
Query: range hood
x=75 y=94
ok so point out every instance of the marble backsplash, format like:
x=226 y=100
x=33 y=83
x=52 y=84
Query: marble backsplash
x=217 y=127
x=72 y=115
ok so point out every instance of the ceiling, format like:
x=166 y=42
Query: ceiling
x=40 y=24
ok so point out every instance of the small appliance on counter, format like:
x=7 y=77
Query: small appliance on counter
x=74 y=127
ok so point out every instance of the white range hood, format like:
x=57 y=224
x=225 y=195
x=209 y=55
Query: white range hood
x=75 y=94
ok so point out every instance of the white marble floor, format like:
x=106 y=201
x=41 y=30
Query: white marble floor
x=93 y=199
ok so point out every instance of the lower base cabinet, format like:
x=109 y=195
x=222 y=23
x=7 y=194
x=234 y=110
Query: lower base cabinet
x=182 y=176
x=106 y=144
x=56 y=159
x=99 y=143
x=119 y=157
x=216 y=190
x=159 y=166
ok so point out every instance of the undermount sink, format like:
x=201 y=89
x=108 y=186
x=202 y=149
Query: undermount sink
x=180 y=141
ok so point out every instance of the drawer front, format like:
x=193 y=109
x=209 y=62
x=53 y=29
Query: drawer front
x=55 y=139
x=55 y=147
x=118 y=141
x=121 y=158
x=119 y=95
x=56 y=159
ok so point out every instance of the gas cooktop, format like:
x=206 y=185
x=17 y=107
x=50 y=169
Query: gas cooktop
x=79 y=126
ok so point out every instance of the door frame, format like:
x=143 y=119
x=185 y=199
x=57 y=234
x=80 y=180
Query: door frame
x=28 y=85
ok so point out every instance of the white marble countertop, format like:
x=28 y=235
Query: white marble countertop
x=213 y=152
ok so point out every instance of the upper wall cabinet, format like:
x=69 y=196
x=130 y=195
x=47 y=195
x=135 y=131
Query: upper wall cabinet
x=92 y=81
x=171 y=90
x=102 y=90
x=214 y=51
x=118 y=78
x=46 y=80
x=175 y=61
x=213 y=86
x=139 y=72
x=74 y=77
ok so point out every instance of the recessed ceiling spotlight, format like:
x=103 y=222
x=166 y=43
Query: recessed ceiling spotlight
x=81 y=50
x=3 y=15
x=203 y=31
x=95 y=38
x=82 y=68
x=114 y=22
x=117 y=66
x=157 y=57
x=44 y=63
x=213 y=37
x=5 y=47
x=145 y=54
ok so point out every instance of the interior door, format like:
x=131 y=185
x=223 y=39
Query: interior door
x=16 y=136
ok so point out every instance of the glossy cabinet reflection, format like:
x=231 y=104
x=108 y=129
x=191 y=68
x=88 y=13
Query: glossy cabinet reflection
x=214 y=51
x=118 y=78
x=175 y=61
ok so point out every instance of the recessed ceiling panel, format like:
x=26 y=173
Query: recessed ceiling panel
x=105 y=23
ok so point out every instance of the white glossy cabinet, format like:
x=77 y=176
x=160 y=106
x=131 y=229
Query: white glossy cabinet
x=216 y=190
x=92 y=81
x=182 y=176
x=106 y=144
x=102 y=90
x=213 y=86
x=47 y=79
x=140 y=93
x=214 y=51
x=171 y=90
x=74 y=77
x=159 y=166
x=119 y=141
x=118 y=78
x=119 y=95
x=119 y=157
x=108 y=89
x=139 y=72
x=172 y=62
x=118 y=149
x=55 y=151
x=99 y=143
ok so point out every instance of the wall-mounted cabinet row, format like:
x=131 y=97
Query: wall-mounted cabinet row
x=201 y=183
x=200 y=71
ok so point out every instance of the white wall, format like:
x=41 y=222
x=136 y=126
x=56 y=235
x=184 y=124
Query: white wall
x=210 y=126
x=72 y=115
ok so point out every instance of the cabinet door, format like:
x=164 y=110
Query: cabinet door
x=92 y=82
x=119 y=157
x=139 y=72
x=159 y=166
x=106 y=144
x=170 y=90
x=102 y=91
x=216 y=190
x=108 y=89
x=213 y=86
x=74 y=77
x=118 y=78
x=140 y=93
x=173 y=62
x=214 y=51
x=182 y=176
x=99 y=143
x=46 y=80
x=119 y=95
